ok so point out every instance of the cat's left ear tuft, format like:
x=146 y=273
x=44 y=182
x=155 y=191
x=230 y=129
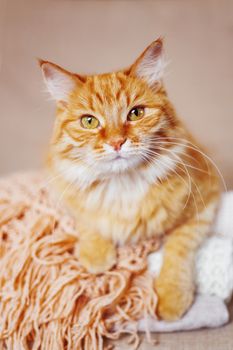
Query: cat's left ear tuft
x=150 y=65
x=60 y=82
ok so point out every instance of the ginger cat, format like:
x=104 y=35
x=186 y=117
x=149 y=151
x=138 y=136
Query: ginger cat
x=129 y=169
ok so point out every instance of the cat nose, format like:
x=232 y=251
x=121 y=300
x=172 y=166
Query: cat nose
x=117 y=143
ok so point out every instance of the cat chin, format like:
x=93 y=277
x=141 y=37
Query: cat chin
x=120 y=165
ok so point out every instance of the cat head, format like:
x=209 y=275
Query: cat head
x=110 y=122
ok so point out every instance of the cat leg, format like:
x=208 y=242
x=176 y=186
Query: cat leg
x=175 y=285
x=96 y=253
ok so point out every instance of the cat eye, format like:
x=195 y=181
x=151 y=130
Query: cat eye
x=136 y=113
x=89 y=122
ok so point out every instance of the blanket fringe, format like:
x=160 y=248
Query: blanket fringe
x=47 y=300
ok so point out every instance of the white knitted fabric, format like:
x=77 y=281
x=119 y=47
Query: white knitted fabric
x=214 y=276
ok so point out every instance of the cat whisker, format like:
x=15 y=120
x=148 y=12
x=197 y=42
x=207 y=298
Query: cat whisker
x=187 y=164
x=149 y=152
x=187 y=172
x=189 y=177
x=173 y=170
x=145 y=158
x=195 y=148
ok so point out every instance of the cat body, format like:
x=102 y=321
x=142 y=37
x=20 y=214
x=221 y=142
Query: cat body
x=128 y=170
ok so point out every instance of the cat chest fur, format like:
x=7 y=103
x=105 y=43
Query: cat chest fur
x=118 y=209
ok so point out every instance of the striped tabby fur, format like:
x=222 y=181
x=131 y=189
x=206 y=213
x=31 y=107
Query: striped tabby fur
x=128 y=180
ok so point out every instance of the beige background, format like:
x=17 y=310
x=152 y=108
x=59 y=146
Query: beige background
x=97 y=36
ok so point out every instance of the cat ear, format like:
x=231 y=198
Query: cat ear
x=60 y=83
x=150 y=65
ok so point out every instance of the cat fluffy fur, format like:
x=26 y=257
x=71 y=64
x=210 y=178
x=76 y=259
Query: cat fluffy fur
x=165 y=186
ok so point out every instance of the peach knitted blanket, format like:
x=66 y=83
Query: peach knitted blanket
x=47 y=300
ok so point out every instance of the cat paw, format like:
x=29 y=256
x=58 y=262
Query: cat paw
x=174 y=298
x=97 y=254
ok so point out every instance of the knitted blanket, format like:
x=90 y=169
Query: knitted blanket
x=47 y=299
